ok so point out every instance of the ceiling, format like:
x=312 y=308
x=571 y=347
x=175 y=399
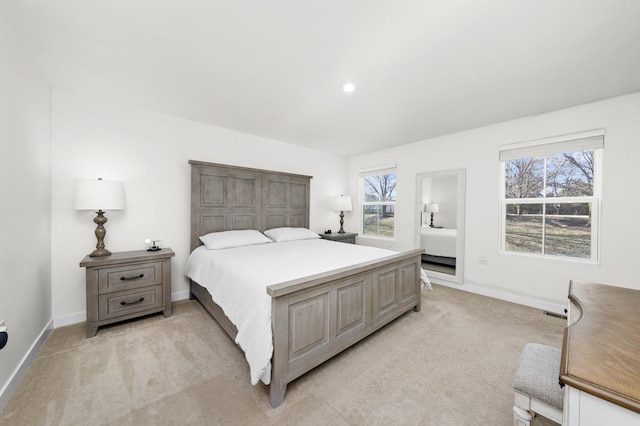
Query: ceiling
x=275 y=68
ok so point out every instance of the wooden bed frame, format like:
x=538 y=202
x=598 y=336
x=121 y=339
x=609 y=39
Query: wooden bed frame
x=314 y=318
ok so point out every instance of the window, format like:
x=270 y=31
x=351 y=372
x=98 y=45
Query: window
x=378 y=190
x=551 y=196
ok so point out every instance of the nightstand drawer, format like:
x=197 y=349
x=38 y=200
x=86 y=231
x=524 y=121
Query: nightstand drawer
x=131 y=301
x=131 y=276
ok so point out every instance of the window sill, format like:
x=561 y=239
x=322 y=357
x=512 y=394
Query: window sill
x=373 y=237
x=551 y=257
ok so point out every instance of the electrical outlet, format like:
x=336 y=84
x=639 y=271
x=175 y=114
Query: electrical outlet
x=483 y=260
x=4 y=336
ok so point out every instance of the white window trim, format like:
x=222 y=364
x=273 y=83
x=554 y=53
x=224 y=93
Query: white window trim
x=593 y=139
x=374 y=171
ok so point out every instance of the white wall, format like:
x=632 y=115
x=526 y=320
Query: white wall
x=25 y=194
x=477 y=151
x=149 y=153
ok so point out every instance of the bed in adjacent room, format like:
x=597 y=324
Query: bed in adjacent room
x=439 y=245
x=297 y=300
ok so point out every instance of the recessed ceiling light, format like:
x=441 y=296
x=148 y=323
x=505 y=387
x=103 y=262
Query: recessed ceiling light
x=349 y=87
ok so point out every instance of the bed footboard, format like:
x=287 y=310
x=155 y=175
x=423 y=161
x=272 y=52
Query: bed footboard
x=317 y=318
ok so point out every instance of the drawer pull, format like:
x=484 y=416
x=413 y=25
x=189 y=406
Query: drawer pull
x=125 y=303
x=131 y=278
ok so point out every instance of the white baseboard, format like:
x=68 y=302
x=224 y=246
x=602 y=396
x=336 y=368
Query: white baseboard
x=63 y=320
x=17 y=375
x=503 y=295
x=182 y=295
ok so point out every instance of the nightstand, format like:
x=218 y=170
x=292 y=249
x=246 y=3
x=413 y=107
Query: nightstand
x=347 y=237
x=127 y=285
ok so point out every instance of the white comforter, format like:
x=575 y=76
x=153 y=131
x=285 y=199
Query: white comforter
x=438 y=241
x=237 y=279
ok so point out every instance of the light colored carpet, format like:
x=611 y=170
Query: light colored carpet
x=450 y=364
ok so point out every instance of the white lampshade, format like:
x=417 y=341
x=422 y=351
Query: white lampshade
x=98 y=194
x=433 y=208
x=342 y=203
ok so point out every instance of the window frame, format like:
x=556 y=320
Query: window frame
x=548 y=147
x=378 y=171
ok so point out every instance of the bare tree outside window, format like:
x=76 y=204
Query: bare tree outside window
x=378 y=210
x=548 y=204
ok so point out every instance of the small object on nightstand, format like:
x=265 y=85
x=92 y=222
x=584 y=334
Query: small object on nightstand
x=127 y=285
x=153 y=246
x=347 y=237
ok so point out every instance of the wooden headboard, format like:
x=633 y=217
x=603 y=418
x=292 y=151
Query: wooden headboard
x=225 y=198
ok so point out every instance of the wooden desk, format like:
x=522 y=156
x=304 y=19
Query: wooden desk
x=601 y=356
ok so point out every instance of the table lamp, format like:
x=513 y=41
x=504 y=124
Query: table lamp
x=99 y=195
x=432 y=208
x=342 y=204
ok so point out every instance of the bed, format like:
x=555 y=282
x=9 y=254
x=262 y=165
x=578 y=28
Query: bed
x=312 y=317
x=439 y=245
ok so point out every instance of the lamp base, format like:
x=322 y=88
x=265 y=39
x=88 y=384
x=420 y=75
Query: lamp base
x=341 y=231
x=100 y=252
x=100 y=220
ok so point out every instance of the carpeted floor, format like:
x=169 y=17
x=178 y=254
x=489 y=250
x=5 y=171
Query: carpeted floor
x=450 y=364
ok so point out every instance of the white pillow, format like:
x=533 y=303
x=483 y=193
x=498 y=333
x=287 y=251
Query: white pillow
x=231 y=239
x=290 y=234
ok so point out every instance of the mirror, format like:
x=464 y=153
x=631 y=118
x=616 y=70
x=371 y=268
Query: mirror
x=440 y=233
